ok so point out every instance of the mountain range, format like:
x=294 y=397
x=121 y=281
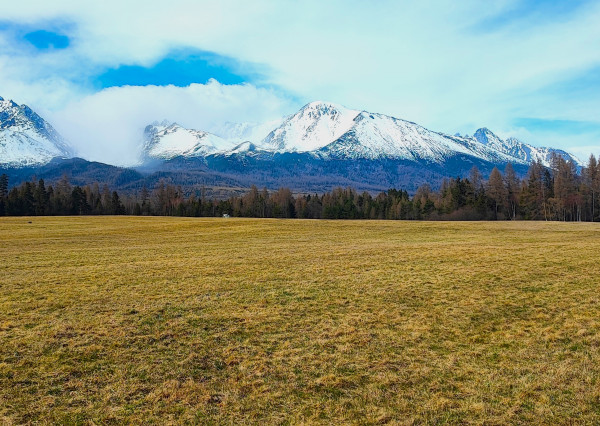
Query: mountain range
x=320 y=146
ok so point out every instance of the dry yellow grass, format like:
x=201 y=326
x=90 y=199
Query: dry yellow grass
x=152 y=320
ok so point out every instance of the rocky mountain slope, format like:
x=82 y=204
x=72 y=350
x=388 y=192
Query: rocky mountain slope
x=26 y=139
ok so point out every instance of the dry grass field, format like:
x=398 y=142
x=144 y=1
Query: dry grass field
x=111 y=320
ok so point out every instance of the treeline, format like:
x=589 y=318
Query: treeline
x=555 y=193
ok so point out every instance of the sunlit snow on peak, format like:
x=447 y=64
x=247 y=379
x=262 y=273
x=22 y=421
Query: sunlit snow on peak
x=316 y=125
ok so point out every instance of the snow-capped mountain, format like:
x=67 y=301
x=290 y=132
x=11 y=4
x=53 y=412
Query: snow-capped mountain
x=374 y=136
x=314 y=126
x=165 y=141
x=520 y=150
x=332 y=131
x=327 y=131
x=26 y=139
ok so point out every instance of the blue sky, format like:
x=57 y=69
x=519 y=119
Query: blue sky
x=179 y=68
x=100 y=72
x=532 y=12
x=44 y=39
x=32 y=37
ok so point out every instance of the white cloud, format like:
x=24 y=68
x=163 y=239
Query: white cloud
x=429 y=62
x=108 y=126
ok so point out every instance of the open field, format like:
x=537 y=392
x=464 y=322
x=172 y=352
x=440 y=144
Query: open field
x=118 y=319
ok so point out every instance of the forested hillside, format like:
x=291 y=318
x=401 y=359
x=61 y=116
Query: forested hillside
x=556 y=193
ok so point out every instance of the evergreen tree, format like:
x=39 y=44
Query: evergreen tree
x=3 y=186
x=3 y=193
x=590 y=189
x=79 y=205
x=116 y=205
x=28 y=203
x=41 y=199
x=496 y=190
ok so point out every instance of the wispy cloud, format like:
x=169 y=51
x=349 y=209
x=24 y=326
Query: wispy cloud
x=108 y=125
x=451 y=66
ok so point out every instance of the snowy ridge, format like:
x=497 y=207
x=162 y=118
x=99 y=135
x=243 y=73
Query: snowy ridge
x=333 y=131
x=244 y=148
x=26 y=139
x=328 y=131
x=379 y=136
x=314 y=126
x=520 y=150
x=166 y=141
x=322 y=130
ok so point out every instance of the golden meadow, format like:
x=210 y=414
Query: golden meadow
x=111 y=320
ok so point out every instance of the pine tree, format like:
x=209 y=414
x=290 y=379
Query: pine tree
x=41 y=199
x=590 y=182
x=496 y=190
x=3 y=193
x=3 y=186
x=566 y=203
x=28 y=204
x=512 y=190
x=116 y=205
x=79 y=203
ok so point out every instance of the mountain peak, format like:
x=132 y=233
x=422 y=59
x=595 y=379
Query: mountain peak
x=484 y=135
x=167 y=141
x=323 y=105
x=518 y=150
x=26 y=138
x=6 y=104
x=316 y=125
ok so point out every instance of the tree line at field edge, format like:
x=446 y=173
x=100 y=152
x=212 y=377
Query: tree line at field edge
x=555 y=193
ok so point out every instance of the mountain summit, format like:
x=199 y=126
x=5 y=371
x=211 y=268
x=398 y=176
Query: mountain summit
x=313 y=127
x=26 y=139
x=165 y=141
x=520 y=150
x=331 y=131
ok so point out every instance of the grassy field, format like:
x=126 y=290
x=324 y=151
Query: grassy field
x=151 y=320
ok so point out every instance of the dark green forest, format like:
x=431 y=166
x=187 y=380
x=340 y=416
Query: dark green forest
x=561 y=193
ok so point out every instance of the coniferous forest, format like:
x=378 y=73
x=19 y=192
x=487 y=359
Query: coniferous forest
x=560 y=193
